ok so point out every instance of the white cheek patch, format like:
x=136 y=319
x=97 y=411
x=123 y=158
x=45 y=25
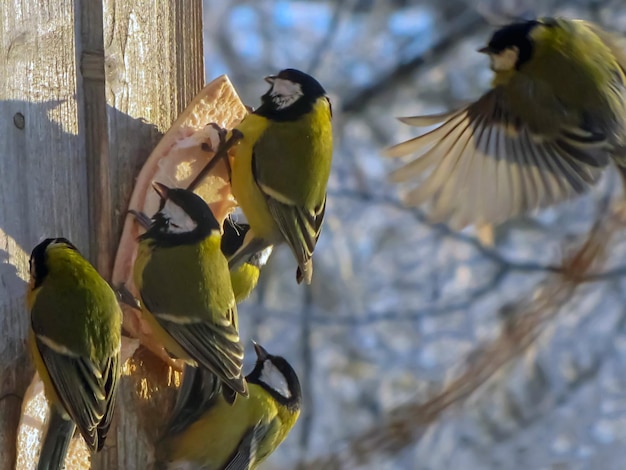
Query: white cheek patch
x=265 y=255
x=504 y=61
x=274 y=379
x=285 y=93
x=180 y=222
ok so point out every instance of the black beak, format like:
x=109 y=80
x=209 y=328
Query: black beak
x=270 y=79
x=261 y=353
x=161 y=190
x=486 y=50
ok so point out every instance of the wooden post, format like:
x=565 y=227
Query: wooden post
x=87 y=88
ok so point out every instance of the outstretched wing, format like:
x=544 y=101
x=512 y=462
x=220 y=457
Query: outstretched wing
x=484 y=164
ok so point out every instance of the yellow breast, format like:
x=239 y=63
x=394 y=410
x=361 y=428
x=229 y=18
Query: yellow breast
x=212 y=440
x=244 y=187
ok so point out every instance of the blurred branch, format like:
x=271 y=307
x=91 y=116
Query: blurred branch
x=226 y=45
x=306 y=375
x=407 y=424
x=607 y=275
x=419 y=215
x=414 y=314
x=466 y=21
x=503 y=267
x=492 y=254
x=324 y=45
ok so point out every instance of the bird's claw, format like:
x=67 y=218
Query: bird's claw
x=216 y=138
x=220 y=154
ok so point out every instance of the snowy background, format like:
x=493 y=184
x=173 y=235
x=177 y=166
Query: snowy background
x=399 y=307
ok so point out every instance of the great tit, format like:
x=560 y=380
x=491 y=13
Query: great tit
x=75 y=341
x=221 y=436
x=185 y=290
x=244 y=277
x=281 y=165
x=553 y=119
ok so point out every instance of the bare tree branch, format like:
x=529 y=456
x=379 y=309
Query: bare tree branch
x=324 y=46
x=467 y=21
x=306 y=377
x=407 y=423
x=445 y=231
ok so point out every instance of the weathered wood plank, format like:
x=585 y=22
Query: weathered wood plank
x=154 y=67
x=43 y=190
x=71 y=147
x=93 y=122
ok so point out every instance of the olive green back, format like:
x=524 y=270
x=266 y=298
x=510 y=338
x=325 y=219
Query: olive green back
x=76 y=307
x=571 y=71
x=188 y=280
x=303 y=150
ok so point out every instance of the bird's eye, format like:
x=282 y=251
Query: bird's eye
x=174 y=225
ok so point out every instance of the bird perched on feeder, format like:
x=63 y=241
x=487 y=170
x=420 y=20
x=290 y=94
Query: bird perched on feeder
x=75 y=342
x=220 y=436
x=280 y=167
x=185 y=289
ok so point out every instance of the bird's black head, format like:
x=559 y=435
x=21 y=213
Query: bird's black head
x=38 y=264
x=233 y=237
x=511 y=46
x=292 y=95
x=277 y=377
x=183 y=218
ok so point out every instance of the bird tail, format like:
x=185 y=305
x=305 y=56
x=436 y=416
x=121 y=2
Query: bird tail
x=56 y=441
x=198 y=391
x=305 y=272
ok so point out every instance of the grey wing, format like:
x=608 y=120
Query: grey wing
x=246 y=453
x=87 y=391
x=215 y=347
x=483 y=164
x=300 y=228
x=112 y=371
